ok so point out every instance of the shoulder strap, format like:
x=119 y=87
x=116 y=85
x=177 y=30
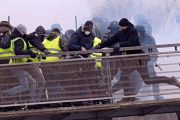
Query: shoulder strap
x=79 y=35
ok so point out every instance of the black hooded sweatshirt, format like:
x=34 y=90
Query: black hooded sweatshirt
x=126 y=38
x=36 y=41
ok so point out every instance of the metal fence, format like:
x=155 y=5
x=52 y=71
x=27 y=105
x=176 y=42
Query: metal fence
x=72 y=80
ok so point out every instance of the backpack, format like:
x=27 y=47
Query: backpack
x=5 y=40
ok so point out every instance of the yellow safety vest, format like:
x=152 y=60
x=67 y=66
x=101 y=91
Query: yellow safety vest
x=35 y=50
x=53 y=47
x=96 y=41
x=19 y=60
x=6 y=52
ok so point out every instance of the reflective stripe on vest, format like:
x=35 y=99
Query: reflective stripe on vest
x=34 y=49
x=1 y=53
x=97 y=41
x=96 y=54
x=53 y=47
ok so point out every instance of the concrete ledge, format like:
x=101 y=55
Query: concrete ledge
x=93 y=108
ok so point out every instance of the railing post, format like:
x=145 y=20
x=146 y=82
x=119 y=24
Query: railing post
x=109 y=76
x=13 y=60
x=175 y=48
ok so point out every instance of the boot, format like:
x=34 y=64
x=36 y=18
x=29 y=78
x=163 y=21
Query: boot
x=174 y=82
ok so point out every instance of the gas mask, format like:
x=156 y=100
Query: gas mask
x=87 y=33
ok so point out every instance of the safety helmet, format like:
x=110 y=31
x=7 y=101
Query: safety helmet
x=56 y=25
x=97 y=18
x=113 y=24
x=140 y=28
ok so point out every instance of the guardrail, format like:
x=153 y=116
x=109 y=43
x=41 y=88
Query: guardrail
x=72 y=80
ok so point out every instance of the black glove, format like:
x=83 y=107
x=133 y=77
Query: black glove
x=44 y=58
x=46 y=51
x=95 y=47
x=32 y=54
x=116 y=48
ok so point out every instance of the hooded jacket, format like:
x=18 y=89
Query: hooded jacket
x=36 y=41
x=5 y=27
x=126 y=38
x=75 y=44
x=19 y=44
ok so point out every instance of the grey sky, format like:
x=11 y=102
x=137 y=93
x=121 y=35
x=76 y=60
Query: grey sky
x=32 y=13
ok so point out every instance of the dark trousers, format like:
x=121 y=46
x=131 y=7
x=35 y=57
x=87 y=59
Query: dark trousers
x=127 y=67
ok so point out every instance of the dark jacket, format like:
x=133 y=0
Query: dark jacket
x=148 y=28
x=76 y=44
x=36 y=41
x=5 y=27
x=126 y=38
x=147 y=40
x=19 y=44
x=108 y=36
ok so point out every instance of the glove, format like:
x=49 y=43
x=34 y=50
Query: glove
x=46 y=51
x=95 y=47
x=32 y=54
x=44 y=58
x=116 y=48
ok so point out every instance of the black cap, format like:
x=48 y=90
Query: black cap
x=40 y=30
x=140 y=28
x=124 y=22
x=89 y=24
x=113 y=24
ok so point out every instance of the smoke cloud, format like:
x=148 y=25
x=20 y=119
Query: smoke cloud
x=160 y=13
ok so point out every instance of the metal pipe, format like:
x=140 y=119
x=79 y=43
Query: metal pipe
x=9 y=19
x=76 y=22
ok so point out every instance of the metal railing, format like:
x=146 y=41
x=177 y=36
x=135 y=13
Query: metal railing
x=72 y=80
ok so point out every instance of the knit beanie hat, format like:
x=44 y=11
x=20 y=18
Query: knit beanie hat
x=22 y=29
x=124 y=22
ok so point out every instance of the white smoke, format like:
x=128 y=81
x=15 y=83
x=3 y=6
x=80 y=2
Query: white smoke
x=160 y=13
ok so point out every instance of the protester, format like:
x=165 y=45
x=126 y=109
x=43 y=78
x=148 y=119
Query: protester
x=21 y=47
x=55 y=44
x=128 y=37
x=35 y=40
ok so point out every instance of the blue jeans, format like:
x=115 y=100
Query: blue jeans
x=27 y=83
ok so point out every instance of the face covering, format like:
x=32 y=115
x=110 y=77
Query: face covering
x=42 y=36
x=87 y=33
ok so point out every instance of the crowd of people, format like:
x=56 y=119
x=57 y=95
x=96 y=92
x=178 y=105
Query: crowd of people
x=120 y=34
